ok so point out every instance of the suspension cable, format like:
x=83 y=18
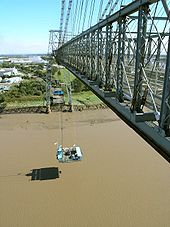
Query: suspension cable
x=113 y=7
x=78 y=16
x=91 y=13
x=85 y=13
x=75 y=18
x=81 y=9
x=61 y=20
x=100 y=10
x=106 y=8
x=67 y=19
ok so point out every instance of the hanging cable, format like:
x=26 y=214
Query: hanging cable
x=100 y=10
x=85 y=13
x=61 y=21
x=81 y=9
x=67 y=19
x=75 y=18
x=106 y=8
x=71 y=21
x=113 y=7
x=61 y=129
x=78 y=16
x=91 y=13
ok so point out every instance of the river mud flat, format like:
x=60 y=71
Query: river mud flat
x=121 y=181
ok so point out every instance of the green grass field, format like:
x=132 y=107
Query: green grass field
x=84 y=98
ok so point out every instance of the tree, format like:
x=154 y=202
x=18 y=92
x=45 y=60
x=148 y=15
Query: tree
x=78 y=86
x=2 y=98
x=2 y=102
x=25 y=89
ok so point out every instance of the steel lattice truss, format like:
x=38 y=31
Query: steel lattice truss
x=125 y=60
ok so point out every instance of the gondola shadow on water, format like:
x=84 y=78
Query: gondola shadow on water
x=48 y=173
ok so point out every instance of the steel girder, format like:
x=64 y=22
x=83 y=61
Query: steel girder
x=126 y=69
x=120 y=59
x=99 y=57
x=92 y=75
x=140 y=56
x=152 y=134
x=108 y=57
x=165 y=107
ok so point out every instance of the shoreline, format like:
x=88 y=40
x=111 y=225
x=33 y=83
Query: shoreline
x=57 y=108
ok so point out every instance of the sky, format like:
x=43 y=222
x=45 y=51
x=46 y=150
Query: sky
x=25 y=25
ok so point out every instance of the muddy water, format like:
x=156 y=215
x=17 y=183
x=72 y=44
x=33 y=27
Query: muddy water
x=121 y=181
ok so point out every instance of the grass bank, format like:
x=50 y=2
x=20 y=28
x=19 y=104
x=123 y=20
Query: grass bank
x=85 y=98
x=26 y=101
x=80 y=97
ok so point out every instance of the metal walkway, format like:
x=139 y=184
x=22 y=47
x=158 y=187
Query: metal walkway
x=125 y=61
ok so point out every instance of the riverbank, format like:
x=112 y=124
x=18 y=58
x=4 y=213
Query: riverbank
x=56 y=108
x=80 y=101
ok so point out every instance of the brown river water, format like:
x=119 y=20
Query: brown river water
x=121 y=181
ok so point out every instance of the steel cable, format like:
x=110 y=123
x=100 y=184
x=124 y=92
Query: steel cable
x=91 y=13
x=85 y=14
